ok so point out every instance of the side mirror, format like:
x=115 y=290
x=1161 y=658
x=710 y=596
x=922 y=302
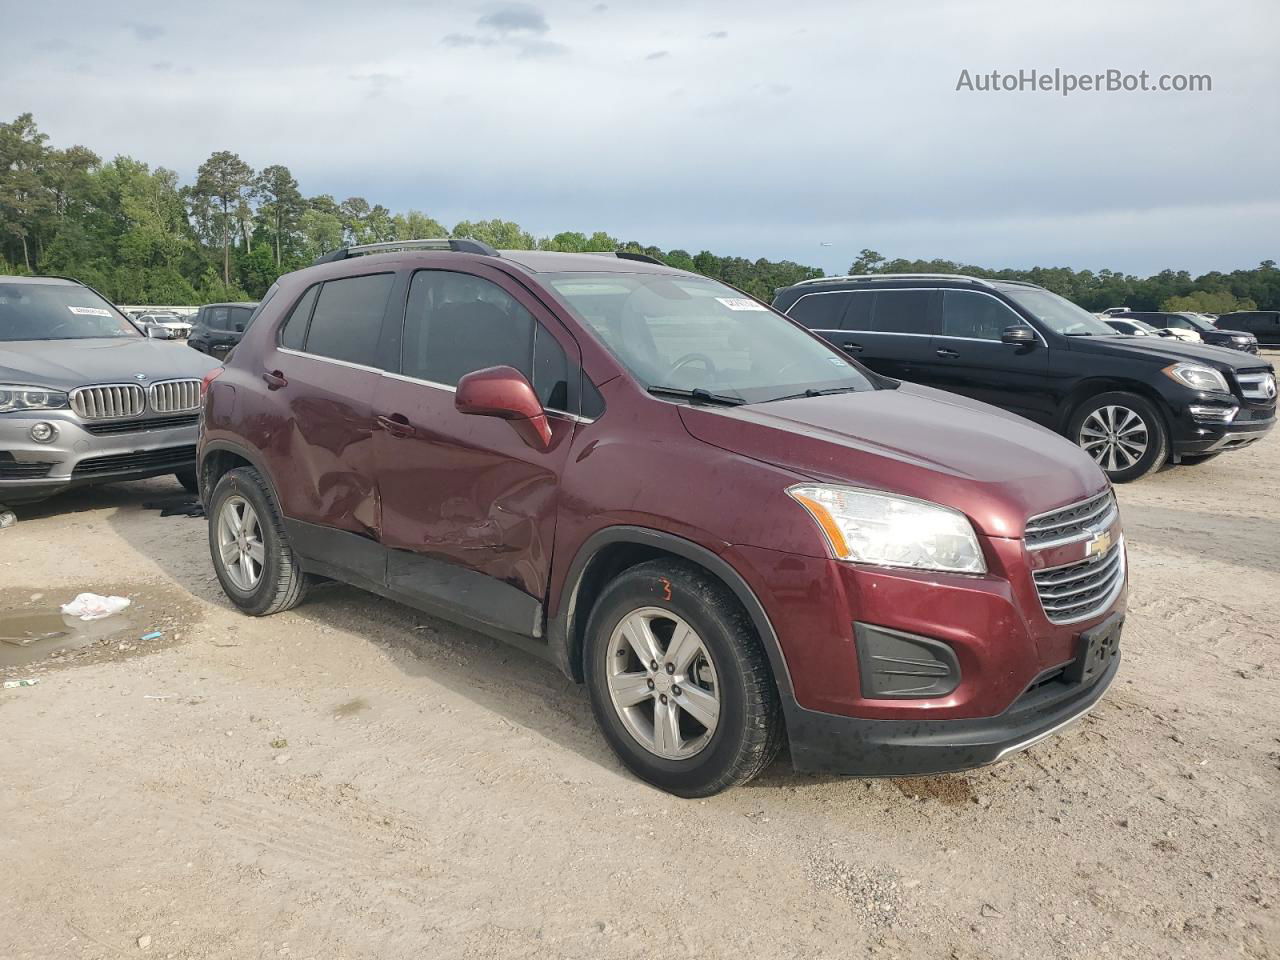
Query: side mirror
x=505 y=393
x=1019 y=335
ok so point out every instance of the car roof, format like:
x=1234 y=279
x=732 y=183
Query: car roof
x=232 y=303
x=51 y=281
x=873 y=281
x=546 y=261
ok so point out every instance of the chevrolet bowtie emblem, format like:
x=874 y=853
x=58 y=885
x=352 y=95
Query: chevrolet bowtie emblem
x=1097 y=548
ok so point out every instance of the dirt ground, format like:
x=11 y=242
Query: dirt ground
x=355 y=780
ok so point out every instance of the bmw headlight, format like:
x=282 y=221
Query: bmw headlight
x=1197 y=376
x=16 y=396
x=868 y=527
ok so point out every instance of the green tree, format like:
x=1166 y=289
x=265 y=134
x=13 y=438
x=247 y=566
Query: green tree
x=1206 y=301
x=281 y=204
x=868 y=262
x=23 y=197
x=222 y=183
x=501 y=234
x=416 y=225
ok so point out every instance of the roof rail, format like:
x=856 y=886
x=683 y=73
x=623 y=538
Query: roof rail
x=443 y=243
x=898 y=276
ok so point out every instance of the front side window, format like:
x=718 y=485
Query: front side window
x=457 y=323
x=686 y=333
x=55 y=311
x=347 y=319
x=902 y=311
x=975 y=316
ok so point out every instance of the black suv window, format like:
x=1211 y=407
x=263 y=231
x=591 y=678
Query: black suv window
x=238 y=319
x=457 y=323
x=216 y=318
x=347 y=318
x=819 y=311
x=902 y=311
x=975 y=316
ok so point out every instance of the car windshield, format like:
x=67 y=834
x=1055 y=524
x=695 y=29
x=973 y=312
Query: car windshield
x=1058 y=313
x=1200 y=323
x=684 y=333
x=49 y=311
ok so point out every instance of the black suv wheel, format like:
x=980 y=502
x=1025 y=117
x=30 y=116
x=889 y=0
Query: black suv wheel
x=679 y=682
x=1124 y=434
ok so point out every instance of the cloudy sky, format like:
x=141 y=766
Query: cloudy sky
x=805 y=130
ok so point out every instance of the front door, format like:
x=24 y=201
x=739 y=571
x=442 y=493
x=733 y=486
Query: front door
x=468 y=507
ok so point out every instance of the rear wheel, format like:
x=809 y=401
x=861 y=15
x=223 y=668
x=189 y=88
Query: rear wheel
x=251 y=554
x=679 y=681
x=189 y=480
x=1124 y=434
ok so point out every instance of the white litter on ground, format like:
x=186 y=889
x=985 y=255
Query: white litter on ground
x=90 y=606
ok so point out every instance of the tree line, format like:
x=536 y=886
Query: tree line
x=139 y=235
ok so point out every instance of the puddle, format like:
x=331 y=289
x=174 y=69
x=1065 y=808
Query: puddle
x=36 y=633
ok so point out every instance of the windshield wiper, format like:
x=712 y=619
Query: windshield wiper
x=698 y=395
x=813 y=393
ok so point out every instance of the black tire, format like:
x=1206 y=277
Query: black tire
x=749 y=730
x=282 y=584
x=1154 y=435
x=189 y=479
x=1194 y=460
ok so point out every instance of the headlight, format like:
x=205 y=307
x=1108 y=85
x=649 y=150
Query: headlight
x=1197 y=376
x=891 y=531
x=15 y=397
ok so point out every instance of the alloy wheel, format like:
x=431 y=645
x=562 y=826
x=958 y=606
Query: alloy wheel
x=663 y=683
x=240 y=545
x=1115 y=436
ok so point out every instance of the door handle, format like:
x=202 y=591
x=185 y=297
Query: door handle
x=274 y=379
x=852 y=347
x=397 y=425
x=947 y=354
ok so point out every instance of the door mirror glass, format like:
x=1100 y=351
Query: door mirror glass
x=1018 y=335
x=505 y=393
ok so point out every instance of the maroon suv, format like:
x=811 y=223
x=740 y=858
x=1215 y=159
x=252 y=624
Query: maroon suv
x=729 y=531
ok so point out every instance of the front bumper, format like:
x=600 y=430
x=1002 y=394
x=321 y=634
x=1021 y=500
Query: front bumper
x=1192 y=437
x=34 y=471
x=828 y=743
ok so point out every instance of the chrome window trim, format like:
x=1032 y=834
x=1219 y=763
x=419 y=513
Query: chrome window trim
x=336 y=362
x=938 y=336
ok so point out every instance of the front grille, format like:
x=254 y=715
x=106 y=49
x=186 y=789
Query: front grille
x=108 y=402
x=1070 y=523
x=1257 y=384
x=14 y=469
x=172 y=396
x=1082 y=589
x=140 y=426
x=142 y=460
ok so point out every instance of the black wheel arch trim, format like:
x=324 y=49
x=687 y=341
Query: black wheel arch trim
x=226 y=446
x=562 y=629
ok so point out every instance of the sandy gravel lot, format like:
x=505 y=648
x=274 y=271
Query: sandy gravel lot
x=354 y=780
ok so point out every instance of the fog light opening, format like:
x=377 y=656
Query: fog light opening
x=1213 y=414
x=43 y=432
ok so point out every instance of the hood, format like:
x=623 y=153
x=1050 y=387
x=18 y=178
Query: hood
x=1166 y=350
x=997 y=468
x=66 y=364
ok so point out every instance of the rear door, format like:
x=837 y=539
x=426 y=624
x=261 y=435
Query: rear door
x=969 y=358
x=319 y=384
x=891 y=330
x=468 y=508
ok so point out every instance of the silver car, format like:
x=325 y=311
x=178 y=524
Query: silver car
x=85 y=396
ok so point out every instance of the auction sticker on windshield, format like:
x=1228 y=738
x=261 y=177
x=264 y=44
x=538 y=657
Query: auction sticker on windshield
x=741 y=303
x=90 y=311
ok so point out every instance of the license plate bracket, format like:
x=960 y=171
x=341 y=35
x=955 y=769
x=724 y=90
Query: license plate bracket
x=1097 y=648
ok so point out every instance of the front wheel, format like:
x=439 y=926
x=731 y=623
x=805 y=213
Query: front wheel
x=189 y=479
x=679 y=681
x=1124 y=434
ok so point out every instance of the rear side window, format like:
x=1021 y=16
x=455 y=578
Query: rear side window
x=294 y=333
x=902 y=311
x=347 y=319
x=975 y=316
x=819 y=311
x=456 y=324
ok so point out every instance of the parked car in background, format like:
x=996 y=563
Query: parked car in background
x=85 y=397
x=732 y=533
x=1264 y=325
x=178 y=327
x=1134 y=328
x=1131 y=402
x=219 y=326
x=1194 y=324
x=1112 y=311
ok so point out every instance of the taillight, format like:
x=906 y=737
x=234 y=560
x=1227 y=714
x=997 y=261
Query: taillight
x=207 y=379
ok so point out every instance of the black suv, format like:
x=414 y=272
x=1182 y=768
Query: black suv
x=219 y=326
x=1263 y=324
x=1208 y=333
x=1132 y=402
